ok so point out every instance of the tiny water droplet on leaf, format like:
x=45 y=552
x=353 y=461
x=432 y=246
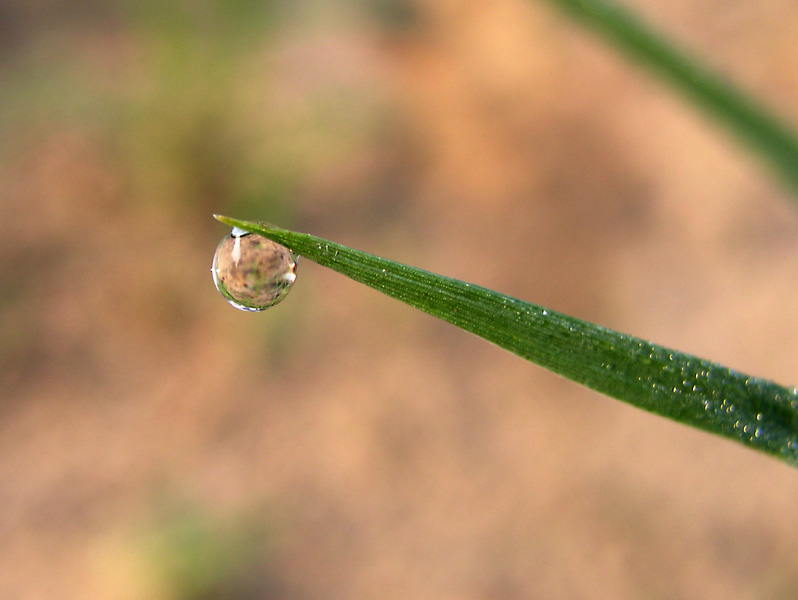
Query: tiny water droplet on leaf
x=252 y=272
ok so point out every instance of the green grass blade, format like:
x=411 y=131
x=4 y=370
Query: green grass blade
x=758 y=413
x=773 y=140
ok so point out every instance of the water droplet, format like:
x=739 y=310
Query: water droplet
x=252 y=272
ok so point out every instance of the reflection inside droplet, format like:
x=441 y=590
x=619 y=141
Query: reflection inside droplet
x=252 y=272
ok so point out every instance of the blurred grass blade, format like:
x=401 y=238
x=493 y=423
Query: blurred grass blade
x=773 y=140
x=758 y=413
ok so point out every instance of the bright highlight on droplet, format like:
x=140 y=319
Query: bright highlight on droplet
x=252 y=272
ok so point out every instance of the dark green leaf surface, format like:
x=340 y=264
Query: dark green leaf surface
x=773 y=140
x=760 y=414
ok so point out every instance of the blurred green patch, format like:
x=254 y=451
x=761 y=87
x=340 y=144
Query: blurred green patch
x=199 y=556
x=184 y=123
x=398 y=16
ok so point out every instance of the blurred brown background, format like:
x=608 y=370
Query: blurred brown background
x=157 y=444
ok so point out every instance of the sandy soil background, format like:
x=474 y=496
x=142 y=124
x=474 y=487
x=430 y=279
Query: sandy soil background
x=157 y=444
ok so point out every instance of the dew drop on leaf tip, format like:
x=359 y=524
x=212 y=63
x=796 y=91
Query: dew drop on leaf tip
x=252 y=272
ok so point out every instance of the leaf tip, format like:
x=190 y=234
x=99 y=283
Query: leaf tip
x=223 y=219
